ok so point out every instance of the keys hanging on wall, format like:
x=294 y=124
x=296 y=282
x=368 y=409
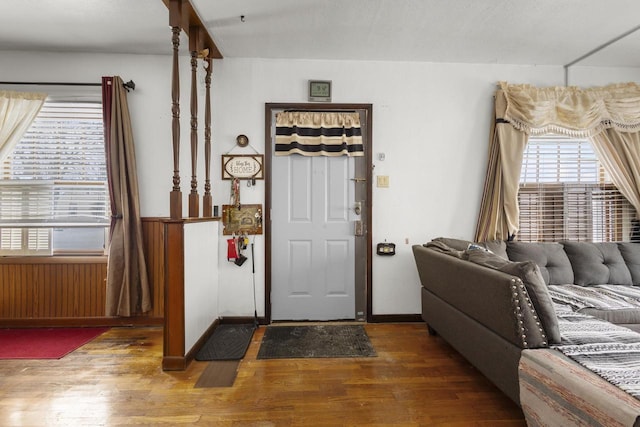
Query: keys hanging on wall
x=235 y=193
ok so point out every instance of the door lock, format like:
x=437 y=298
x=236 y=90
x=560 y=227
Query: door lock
x=357 y=208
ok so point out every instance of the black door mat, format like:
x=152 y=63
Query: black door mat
x=228 y=342
x=288 y=342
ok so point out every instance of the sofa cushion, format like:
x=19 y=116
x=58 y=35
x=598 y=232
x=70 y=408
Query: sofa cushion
x=529 y=274
x=457 y=244
x=597 y=263
x=440 y=246
x=631 y=255
x=617 y=304
x=486 y=258
x=550 y=258
x=617 y=317
x=498 y=247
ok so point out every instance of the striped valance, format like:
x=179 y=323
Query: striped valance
x=318 y=134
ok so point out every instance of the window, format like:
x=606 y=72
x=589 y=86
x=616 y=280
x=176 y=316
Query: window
x=565 y=194
x=53 y=186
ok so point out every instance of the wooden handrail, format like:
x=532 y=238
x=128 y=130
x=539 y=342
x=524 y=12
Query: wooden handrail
x=182 y=16
x=187 y=18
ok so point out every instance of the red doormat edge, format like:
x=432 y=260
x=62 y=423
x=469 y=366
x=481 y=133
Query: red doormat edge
x=44 y=343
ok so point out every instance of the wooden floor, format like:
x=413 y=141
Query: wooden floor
x=416 y=380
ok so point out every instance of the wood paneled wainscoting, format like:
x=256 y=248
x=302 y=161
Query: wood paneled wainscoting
x=44 y=289
x=70 y=290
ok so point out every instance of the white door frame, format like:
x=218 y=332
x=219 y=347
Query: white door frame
x=363 y=248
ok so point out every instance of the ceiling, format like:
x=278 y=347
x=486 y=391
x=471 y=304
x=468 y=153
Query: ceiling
x=541 y=32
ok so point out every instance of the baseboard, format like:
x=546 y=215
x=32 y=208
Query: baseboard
x=191 y=354
x=380 y=318
x=396 y=318
x=57 y=322
x=174 y=363
x=244 y=319
x=177 y=363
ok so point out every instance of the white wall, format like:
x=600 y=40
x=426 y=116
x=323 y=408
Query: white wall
x=149 y=106
x=431 y=120
x=200 y=280
x=600 y=76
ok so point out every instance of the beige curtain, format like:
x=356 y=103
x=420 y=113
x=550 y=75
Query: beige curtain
x=609 y=116
x=619 y=153
x=17 y=111
x=127 y=282
x=572 y=111
x=499 y=210
x=318 y=134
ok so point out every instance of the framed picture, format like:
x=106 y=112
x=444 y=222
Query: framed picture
x=246 y=220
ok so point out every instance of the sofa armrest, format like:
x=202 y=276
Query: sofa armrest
x=497 y=300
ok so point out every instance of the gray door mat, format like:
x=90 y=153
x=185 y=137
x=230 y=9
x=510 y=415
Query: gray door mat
x=286 y=342
x=228 y=342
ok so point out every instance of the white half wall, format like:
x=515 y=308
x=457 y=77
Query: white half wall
x=200 y=279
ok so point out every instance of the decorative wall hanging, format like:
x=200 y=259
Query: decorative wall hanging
x=242 y=140
x=246 y=219
x=242 y=166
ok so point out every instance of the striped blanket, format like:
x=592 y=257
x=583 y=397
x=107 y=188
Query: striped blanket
x=556 y=391
x=611 y=351
x=603 y=297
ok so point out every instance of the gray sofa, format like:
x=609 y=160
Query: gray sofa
x=492 y=300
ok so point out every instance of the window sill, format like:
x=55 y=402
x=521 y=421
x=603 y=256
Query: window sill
x=76 y=259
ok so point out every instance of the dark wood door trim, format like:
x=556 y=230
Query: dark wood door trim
x=269 y=109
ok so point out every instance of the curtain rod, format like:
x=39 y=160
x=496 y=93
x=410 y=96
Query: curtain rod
x=128 y=85
x=318 y=111
x=596 y=50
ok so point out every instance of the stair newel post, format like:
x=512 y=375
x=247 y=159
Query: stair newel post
x=207 y=200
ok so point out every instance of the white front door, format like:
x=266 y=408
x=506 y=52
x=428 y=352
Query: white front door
x=312 y=251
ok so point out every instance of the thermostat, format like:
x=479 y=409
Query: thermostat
x=320 y=90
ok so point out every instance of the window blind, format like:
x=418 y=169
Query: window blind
x=565 y=194
x=55 y=177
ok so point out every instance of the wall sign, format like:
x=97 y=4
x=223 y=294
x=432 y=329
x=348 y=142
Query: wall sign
x=242 y=166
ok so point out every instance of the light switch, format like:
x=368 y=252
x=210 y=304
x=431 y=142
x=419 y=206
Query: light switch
x=383 y=181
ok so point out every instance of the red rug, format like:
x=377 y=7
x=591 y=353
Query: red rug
x=49 y=343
